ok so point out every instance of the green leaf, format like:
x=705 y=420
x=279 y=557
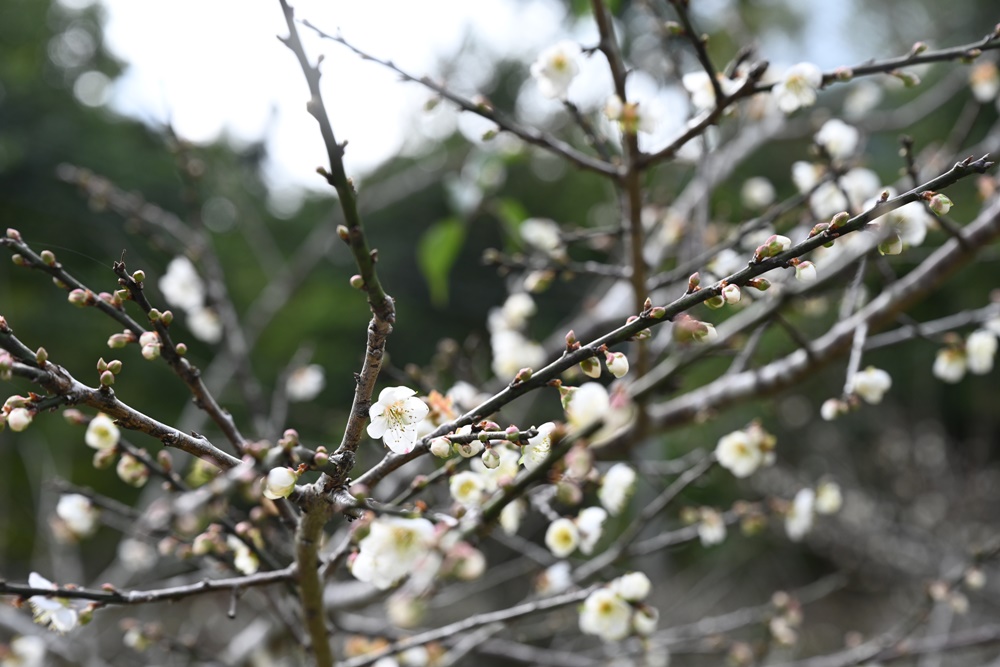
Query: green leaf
x=511 y=213
x=437 y=251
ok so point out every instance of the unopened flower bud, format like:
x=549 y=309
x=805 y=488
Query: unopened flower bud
x=715 y=302
x=41 y=356
x=940 y=204
x=571 y=339
x=590 y=367
x=805 y=272
x=909 y=79
x=79 y=297
x=18 y=259
x=343 y=233
x=441 y=447
x=694 y=281
x=280 y=483
x=103 y=458
x=107 y=379
x=840 y=220
x=357 y=282
x=523 y=375
x=139 y=276
x=153 y=314
x=48 y=257
x=132 y=471
x=617 y=364
x=658 y=312
x=181 y=349
x=759 y=283
x=491 y=459
x=13 y=234
x=167 y=317
x=115 y=366
x=150 y=352
x=732 y=294
x=19 y=419
x=165 y=460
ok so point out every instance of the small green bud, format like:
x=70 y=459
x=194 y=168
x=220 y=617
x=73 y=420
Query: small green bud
x=18 y=259
x=102 y=365
x=181 y=349
x=115 y=366
x=41 y=356
x=139 y=276
x=167 y=317
x=357 y=282
x=48 y=257
x=107 y=379
x=343 y=233
x=153 y=314
x=79 y=298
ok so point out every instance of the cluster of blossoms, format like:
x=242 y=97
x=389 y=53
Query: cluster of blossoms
x=824 y=499
x=617 y=610
x=870 y=384
x=975 y=356
x=183 y=288
x=743 y=452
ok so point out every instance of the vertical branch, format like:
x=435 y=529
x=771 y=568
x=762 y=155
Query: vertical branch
x=632 y=196
x=307 y=543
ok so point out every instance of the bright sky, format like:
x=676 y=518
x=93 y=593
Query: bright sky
x=216 y=68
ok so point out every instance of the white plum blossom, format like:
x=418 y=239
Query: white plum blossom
x=541 y=233
x=25 y=651
x=871 y=384
x=78 y=513
x=806 y=175
x=606 y=615
x=798 y=87
x=860 y=185
x=132 y=471
x=394 y=418
x=739 y=453
x=467 y=488
x=904 y=227
x=305 y=383
x=699 y=87
x=280 y=483
x=512 y=351
x=181 y=285
x=839 y=139
x=517 y=309
x=590 y=525
x=511 y=516
x=533 y=453
x=829 y=498
x=616 y=488
x=757 y=193
x=832 y=408
x=980 y=349
x=632 y=587
x=562 y=537
x=555 y=69
x=711 y=528
x=586 y=404
x=949 y=365
x=644 y=622
x=204 y=324
x=19 y=419
x=555 y=579
x=632 y=117
x=244 y=559
x=392 y=549
x=102 y=433
x=58 y=614
x=799 y=519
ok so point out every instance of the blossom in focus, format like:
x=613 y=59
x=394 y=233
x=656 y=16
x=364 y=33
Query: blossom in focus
x=102 y=433
x=616 y=488
x=617 y=364
x=980 y=349
x=562 y=537
x=392 y=549
x=798 y=87
x=394 y=418
x=799 y=519
x=838 y=139
x=181 y=285
x=805 y=272
x=280 y=483
x=606 y=615
x=78 y=513
x=555 y=69
x=305 y=383
x=949 y=365
x=871 y=384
